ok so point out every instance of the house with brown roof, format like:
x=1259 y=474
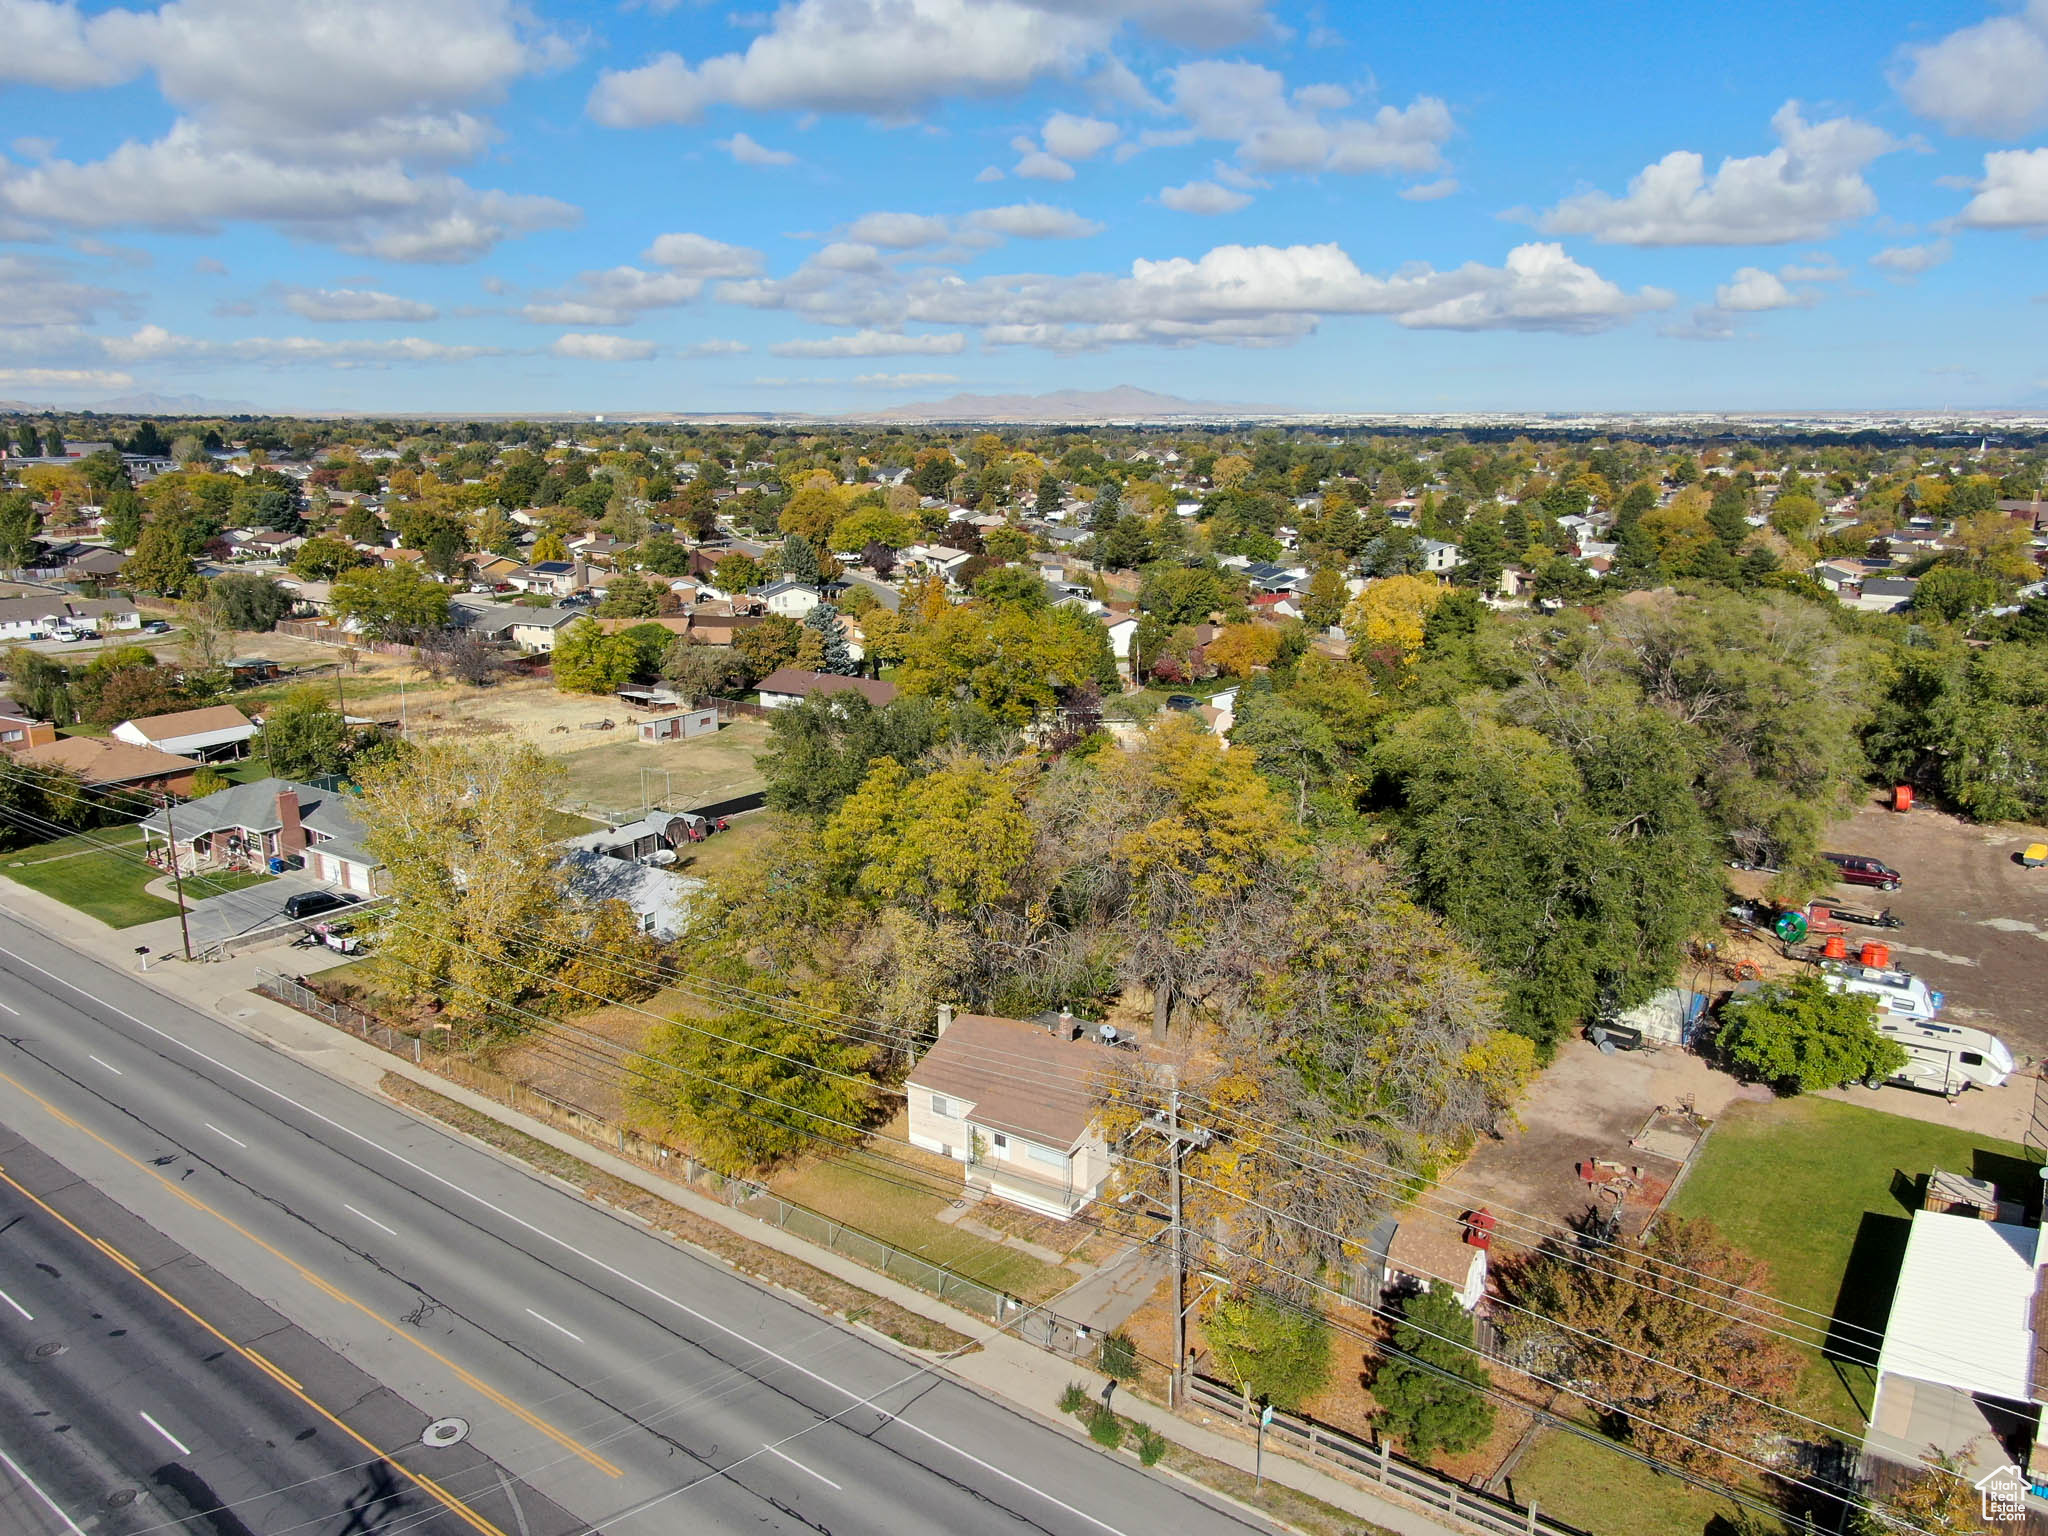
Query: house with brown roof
x=204 y=735
x=792 y=685
x=114 y=764
x=19 y=728
x=1019 y=1105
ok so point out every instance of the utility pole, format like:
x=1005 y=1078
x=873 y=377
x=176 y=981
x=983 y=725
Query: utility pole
x=178 y=876
x=1179 y=1139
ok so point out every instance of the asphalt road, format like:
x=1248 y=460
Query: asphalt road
x=131 y=1402
x=638 y=1385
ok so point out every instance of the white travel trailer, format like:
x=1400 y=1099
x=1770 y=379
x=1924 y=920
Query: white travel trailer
x=1899 y=993
x=1947 y=1058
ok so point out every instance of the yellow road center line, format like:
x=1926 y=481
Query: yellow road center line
x=467 y=1378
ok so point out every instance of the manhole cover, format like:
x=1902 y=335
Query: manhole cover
x=444 y=1432
x=120 y=1498
x=47 y=1351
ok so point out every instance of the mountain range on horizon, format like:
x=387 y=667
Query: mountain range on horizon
x=144 y=404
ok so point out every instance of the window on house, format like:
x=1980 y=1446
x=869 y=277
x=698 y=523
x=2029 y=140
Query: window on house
x=942 y=1106
x=1050 y=1156
x=1002 y=1142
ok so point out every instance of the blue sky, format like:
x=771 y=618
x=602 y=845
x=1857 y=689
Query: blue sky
x=457 y=205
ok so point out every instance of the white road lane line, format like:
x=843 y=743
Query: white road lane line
x=36 y=1489
x=17 y=1014
x=552 y=1324
x=107 y=1064
x=183 y=1448
x=24 y=1311
x=855 y=1399
x=373 y=1221
x=821 y=1477
x=224 y=1136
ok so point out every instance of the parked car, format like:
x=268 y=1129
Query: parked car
x=313 y=903
x=157 y=627
x=1857 y=869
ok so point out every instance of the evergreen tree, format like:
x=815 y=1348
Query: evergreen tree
x=1635 y=558
x=1109 y=500
x=800 y=559
x=1484 y=555
x=1727 y=515
x=1714 y=563
x=1514 y=531
x=123 y=522
x=1431 y=1387
x=835 y=655
x=1050 y=497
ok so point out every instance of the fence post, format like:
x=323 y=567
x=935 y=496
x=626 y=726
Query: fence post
x=1386 y=1455
x=415 y=1050
x=1532 y=1518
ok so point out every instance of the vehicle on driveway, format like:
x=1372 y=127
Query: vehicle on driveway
x=1947 y=1058
x=313 y=903
x=1859 y=869
x=1899 y=993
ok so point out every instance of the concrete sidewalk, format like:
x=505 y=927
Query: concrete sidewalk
x=1002 y=1366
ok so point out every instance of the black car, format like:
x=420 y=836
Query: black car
x=313 y=903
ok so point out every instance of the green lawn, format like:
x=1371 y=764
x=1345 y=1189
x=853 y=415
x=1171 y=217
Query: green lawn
x=1582 y=1482
x=566 y=824
x=1825 y=1192
x=844 y=1189
x=198 y=888
x=123 y=836
x=107 y=885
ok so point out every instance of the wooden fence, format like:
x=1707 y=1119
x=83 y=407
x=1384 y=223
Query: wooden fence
x=1379 y=1465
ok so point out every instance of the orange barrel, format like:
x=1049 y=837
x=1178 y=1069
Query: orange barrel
x=1877 y=956
x=1836 y=948
x=1902 y=797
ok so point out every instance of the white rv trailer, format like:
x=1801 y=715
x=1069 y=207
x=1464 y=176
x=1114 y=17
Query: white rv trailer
x=1899 y=993
x=1947 y=1058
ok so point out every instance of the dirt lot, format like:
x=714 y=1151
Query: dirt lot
x=1976 y=922
x=1589 y=1105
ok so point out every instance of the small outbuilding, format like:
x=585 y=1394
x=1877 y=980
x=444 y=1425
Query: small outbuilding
x=204 y=735
x=683 y=725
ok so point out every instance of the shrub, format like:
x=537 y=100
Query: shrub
x=1105 y=1429
x=1151 y=1443
x=1119 y=1357
x=1075 y=1399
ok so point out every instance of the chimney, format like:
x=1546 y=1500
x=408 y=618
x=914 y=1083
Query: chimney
x=1068 y=1028
x=945 y=1019
x=291 y=833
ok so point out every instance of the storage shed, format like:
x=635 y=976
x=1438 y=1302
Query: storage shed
x=683 y=725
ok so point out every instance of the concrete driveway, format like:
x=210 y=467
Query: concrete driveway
x=213 y=919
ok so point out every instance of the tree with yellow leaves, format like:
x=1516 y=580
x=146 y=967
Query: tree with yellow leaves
x=1243 y=649
x=946 y=845
x=1387 y=620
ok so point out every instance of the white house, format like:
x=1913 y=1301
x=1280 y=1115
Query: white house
x=1018 y=1105
x=942 y=558
x=659 y=898
x=794 y=599
x=40 y=614
x=1438 y=556
x=218 y=731
x=786 y=686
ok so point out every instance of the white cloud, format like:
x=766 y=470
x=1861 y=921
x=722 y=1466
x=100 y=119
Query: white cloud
x=1234 y=294
x=1989 y=79
x=716 y=348
x=152 y=343
x=353 y=304
x=1812 y=182
x=903 y=380
x=1909 y=261
x=64 y=378
x=989 y=173
x=188 y=181
x=1817 y=267
x=209 y=266
x=701 y=256
x=36 y=292
x=603 y=349
x=1033 y=221
x=1250 y=106
x=1039 y=166
x=287 y=117
x=1077 y=138
x=899 y=231
x=882 y=58
x=875 y=344
x=847 y=256
x=2013 y=193
x=743 y=149
x=1430 y=191
x=1203 y=197
x=617 y=295
x=1752 y=290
